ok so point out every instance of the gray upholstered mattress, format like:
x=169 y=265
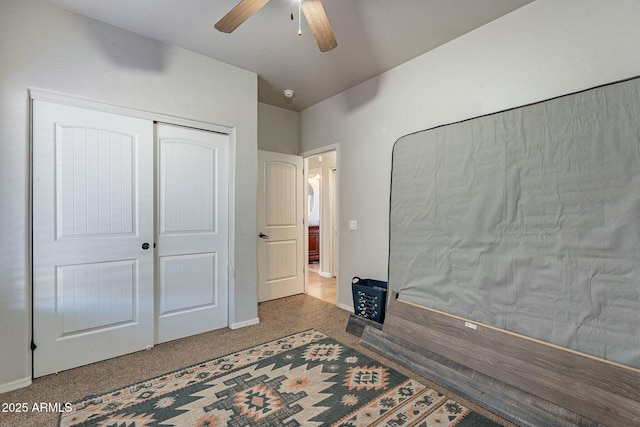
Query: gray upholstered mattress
x=528 y=220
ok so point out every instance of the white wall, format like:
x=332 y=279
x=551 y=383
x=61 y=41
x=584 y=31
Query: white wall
x=545 y=49
x=278 y=129
x=45 y=47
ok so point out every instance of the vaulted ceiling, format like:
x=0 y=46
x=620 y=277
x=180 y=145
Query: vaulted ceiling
x=373 y=36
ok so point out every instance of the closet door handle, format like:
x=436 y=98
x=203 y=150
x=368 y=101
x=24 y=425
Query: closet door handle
x=263 y=236
x=145 y=246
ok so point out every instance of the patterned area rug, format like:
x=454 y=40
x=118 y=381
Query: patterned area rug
x=305 y=379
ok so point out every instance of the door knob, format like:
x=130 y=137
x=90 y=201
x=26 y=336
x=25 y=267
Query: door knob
x=145 y=246
x=263 y=236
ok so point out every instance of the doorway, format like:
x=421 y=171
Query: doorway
x=321 y=224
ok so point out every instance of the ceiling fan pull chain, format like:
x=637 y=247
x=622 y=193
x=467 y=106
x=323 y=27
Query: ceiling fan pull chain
x=299 y=21
x=313 y=12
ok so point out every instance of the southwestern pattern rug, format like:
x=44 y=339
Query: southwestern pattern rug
x=305 y=379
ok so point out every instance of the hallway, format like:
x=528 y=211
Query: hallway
x=321 y=287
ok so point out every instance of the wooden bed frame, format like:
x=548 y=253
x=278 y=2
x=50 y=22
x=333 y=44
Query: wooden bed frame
x=527 y=381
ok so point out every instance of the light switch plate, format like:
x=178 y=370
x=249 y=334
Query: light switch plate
x=353 y=224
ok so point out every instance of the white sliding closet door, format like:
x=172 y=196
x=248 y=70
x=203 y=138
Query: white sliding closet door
x=193 y=205
x=92 y=220
x=101 y=286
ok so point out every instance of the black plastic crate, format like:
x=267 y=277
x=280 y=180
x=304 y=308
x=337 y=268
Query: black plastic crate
x=369 y=298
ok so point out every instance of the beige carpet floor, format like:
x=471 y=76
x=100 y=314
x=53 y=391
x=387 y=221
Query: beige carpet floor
x=277 y=318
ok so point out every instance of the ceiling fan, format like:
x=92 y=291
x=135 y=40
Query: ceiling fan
x=312 y=9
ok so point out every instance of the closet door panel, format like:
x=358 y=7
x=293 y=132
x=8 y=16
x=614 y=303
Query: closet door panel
x=92 y=215
x=193 y=241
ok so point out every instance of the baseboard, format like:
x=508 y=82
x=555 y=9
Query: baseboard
x=239 y=325
x=346 y=307
x=14 y=385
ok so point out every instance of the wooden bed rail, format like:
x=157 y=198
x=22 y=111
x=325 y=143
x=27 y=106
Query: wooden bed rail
x=530 y=382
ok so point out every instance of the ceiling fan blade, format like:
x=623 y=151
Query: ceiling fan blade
x=319 y=24
x=239 y=14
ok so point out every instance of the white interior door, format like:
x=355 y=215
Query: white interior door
x=280 y=226
x=192 y=231
x=92 y=215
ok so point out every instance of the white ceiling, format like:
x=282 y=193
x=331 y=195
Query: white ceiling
x=373 y=36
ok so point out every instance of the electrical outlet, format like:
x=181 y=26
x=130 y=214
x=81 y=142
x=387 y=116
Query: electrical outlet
x=353 y=224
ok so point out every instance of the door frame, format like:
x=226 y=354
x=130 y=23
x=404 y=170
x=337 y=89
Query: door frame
x=74 y=101
x=305 y=155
